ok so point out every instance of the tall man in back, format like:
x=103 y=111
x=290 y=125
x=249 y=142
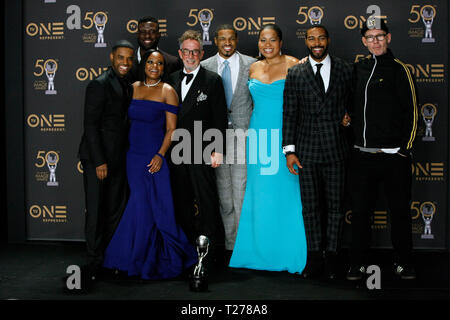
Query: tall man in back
x=148 y=36
x=203 y=107
x=315 y=98
x=102 y=152
x=231 y=177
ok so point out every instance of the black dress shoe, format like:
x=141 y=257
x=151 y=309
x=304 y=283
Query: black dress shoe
x=314 y=266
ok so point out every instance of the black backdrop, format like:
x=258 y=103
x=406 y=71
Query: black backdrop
x=63 y=35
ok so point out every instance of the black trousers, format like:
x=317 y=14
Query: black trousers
x=196 y=202
x=368 y=170
x=322 y=182
x=105 y=203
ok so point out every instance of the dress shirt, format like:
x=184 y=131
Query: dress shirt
x=185 y=87
x=234 y=67
x=324 y=71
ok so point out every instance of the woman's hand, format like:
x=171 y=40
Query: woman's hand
x=346 y=120
x=155 y=164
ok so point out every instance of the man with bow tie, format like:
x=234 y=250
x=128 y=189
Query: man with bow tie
x=203 y=107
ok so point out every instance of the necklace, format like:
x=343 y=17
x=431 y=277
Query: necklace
x=152 y=85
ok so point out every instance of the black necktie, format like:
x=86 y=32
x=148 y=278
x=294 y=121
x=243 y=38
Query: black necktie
x=188 y=76
x=319 y=78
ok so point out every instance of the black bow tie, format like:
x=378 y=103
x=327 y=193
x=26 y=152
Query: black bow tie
x=188 y=76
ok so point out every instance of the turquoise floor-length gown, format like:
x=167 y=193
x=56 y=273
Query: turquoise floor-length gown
x=271 y=233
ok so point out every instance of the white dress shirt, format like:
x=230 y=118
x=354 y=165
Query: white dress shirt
x=234 y=67
x=185 y=87
x=325 y=70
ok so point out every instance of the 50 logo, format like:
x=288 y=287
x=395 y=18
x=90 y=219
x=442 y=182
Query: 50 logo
x=314 y=14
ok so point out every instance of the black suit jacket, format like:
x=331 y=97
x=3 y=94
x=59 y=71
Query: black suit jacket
x=171 y=64
x=105 y=123
x=311 y=120
x=204 y=102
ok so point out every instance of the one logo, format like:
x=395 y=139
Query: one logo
x=46 y=31
x=428 y=171
x=427 y=210
x=83 y=74
x=379 y=219
x=80 y=167
x=428 y=73
x=252 y=25
x=47 y=123
x=429 y=112
x=100 y=20
x=49 y=213
x=204 y=17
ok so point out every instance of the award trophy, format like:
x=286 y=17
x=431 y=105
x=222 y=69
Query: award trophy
x=428 y=114
x=199 y=278
x=205 y=17
x=428 y=13
x=427 y=210
x=50 y=68
x=52 y=159
x=315 y=15
x=100 y=20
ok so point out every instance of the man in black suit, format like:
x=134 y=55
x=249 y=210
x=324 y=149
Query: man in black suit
x=103 y=152
x=203 y=108
x=315 y=97
x=148 y=36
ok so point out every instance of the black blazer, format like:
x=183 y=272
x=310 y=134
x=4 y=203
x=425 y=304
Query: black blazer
x=171 y=64
x=204 y=102
x=105 y=123
x=312 y=121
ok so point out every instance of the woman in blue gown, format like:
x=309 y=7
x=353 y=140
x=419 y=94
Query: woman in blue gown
x=271 y=234
x=147 y=242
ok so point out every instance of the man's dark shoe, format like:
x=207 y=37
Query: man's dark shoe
x=405 y=271
x=314 y=265
x=356 y=272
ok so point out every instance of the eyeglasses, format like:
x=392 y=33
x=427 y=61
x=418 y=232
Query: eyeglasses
x=379 y=37
x=188 y=52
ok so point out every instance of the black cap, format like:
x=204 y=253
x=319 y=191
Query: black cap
x=374 y=23
x=122 y=44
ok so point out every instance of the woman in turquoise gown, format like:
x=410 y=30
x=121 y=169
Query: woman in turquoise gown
x=271 y=234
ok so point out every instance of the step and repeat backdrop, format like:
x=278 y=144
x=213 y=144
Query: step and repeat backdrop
x=67 y=44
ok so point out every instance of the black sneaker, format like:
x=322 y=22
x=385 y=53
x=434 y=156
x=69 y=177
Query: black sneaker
x=356 y=272
x=405 y=271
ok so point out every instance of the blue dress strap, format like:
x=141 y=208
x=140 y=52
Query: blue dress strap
x=171 y=108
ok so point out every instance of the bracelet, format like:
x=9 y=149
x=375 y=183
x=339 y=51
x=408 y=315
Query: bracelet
x=160 y=155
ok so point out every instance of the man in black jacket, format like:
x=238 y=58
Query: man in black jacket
x=103 y=152
x=148 y=36
x=384 y=119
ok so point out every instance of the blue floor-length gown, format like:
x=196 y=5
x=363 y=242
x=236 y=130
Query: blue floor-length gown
x=147 y=242
x=271 y=234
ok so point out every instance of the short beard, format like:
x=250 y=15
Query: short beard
x=324 y=54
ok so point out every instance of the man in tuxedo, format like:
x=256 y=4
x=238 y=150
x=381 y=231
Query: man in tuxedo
x=102 y=152
x=315 y=97
x=231 y=177
x=203 y=107
x=148 y=36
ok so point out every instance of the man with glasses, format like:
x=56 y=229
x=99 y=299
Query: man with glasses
x=384 y=119
x=203 y=107
x=148 y=36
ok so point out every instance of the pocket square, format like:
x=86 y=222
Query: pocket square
x=201 y=97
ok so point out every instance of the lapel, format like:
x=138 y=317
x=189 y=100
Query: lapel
x=191 y=97
x=113 y=79
x=241 y=79
x=309 y=74
x=333 y=76
x=177 y=83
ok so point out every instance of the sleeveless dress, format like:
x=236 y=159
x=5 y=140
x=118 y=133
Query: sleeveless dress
x=271 y=234
x=147 y=242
